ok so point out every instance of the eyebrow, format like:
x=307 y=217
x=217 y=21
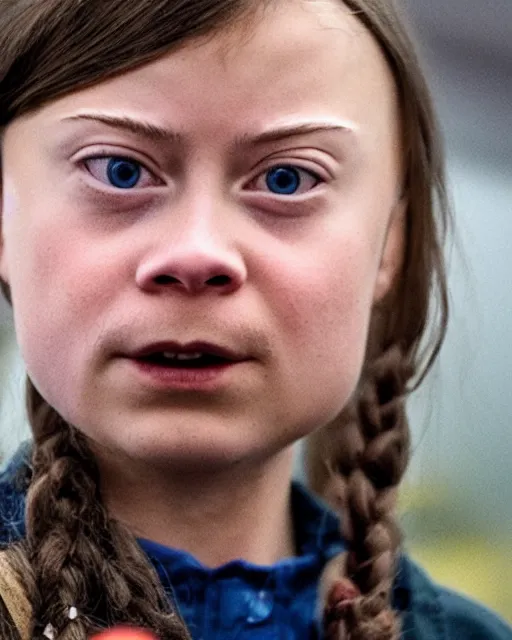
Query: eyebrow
x=162 y=134
x=289 y=131
x=138 y=127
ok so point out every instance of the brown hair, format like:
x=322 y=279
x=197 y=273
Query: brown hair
x=74 y=554
x=357 y=462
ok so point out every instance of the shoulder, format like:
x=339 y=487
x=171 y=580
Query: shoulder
x=468 y=619
x=437 y=613
x=428 y=610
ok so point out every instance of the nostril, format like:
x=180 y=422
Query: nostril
x=219 y=281
x=166 y=280
x=216 y=281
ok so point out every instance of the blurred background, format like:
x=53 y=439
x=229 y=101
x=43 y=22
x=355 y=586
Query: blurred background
x=457 y=503
x=457 y=499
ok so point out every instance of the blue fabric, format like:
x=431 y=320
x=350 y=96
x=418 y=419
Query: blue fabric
x=243 y=601
x=246 y=602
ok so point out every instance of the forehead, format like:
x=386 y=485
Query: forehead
x=291 y=60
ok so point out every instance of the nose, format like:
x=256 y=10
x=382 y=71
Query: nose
x=193 y=265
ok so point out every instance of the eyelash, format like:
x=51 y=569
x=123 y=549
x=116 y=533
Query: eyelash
x=278 y=174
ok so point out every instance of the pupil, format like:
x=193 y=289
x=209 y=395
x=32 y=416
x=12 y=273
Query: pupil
x=283 y=180
x=123 y=173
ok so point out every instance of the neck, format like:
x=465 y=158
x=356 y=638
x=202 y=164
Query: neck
x=242 y=512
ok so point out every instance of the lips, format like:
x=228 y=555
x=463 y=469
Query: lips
x=190 y=355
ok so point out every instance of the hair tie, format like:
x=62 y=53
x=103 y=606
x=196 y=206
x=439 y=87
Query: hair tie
x=49 y=630
x=342 y=595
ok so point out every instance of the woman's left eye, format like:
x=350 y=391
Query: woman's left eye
x=286 y=180
x=119 y=172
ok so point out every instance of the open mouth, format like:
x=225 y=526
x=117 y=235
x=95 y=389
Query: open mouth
x=196 y=366
x=177 y=360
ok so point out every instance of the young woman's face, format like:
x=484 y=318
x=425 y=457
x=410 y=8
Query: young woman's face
x=194 y=247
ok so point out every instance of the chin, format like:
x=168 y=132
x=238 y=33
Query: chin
x=197 y=460
x=191 y=445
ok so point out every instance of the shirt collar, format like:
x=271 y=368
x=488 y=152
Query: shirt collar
x=317 y=538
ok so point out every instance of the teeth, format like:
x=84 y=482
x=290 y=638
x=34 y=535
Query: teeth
x=182 y=356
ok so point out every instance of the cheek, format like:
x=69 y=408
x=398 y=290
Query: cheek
x=9 y=202
x=324 y=300
x=328 y=285
x=59 y=286
x=333 y=314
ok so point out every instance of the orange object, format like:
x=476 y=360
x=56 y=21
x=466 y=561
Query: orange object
x=125 y=633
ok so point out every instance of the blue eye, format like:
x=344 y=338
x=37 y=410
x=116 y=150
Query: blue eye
x=120 y=172
x=123 y=173
x=283 y=180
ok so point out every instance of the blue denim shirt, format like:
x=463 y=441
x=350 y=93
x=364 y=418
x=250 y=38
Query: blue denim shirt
x=246 y=602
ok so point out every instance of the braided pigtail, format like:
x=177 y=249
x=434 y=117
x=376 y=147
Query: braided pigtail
x=86 y=571
x=364 y=461
x=356 y=463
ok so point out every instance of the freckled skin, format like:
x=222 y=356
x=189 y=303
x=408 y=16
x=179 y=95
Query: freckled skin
x=83 y=260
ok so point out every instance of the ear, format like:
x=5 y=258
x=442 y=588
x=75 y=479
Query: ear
x=393 y=251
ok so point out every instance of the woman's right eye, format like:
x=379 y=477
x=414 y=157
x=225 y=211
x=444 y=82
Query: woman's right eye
x=120 y=172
